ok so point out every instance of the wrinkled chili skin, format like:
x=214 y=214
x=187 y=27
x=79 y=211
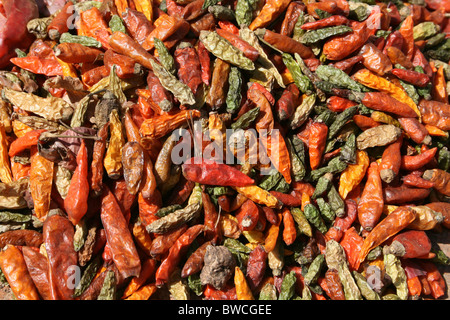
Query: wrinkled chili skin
x=58 y=238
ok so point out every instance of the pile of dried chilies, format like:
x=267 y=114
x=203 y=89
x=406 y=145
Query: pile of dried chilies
x=347 y=100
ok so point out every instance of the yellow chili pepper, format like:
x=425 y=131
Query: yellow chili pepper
x=371 y=80
x=243 y=291
x=259 y=195
x=143 y=293
x=113 y=156
x=353 y=174
x=5 y=165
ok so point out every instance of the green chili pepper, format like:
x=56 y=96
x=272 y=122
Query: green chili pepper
x=323 y=185
x=336 y=202
x=180 y=90
x=166 y=210
x=424 y=92
x=444 y=158
x=314 y=269
x=366 y=290
x=390 y=296
x=208 y=3
x=244 y=11
x=236 y=245
x=434 y=41
x=341 y=120
x=326 y=116
x=336 y=259
x=394 y=270
x=108 y=291
x=288 y=286
x=301 y=81
x=302 y=222
x=246 y=119
x=314 y=36
x=313 y=216
x=222 y=13
x=442 y=52
x=268 y=292
x=348 y=151
x=337 y=77
x=88 y=275
x=334 y=166
x=425 y=30
x=302 y=112
x=298 y=31
x=306 y=293
x=222 y=49
x=234 y=96
x=219 y=191
x=11 y=217
x=116 y=24
x=282 y=186
x=322 y=14
x=195 y=284
x=358 y=11
x=325 y=209
x=84 y=40
x=164 y=56
x=297 y=166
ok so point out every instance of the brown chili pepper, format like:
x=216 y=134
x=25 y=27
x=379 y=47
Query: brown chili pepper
x=217 y=94
x=212 y=228
x=346 y=65
x=37 y=266
x=404 y=194
x=98 y=154
x=294 y=10
x=195 y=262
x=440 y=178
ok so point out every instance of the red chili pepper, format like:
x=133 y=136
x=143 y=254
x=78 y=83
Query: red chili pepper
x=415 y=129
x=205 y=63
x=256 y=266
x=119 y=238
x=248 y=215
x=341 y=224
x=414 y=77
x=76 y=201
x=178 y=249
x=339 y=104
x=410 y=244
x=335 y=20
x=317 y=142
x=288 y=102
x=418 y=161
x=413 y=180
x=346 y=65
x=212 y=228
x=288 y=200
x=212 y=173
x=24 y=142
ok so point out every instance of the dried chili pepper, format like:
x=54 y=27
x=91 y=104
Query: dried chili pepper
x=370 y=206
